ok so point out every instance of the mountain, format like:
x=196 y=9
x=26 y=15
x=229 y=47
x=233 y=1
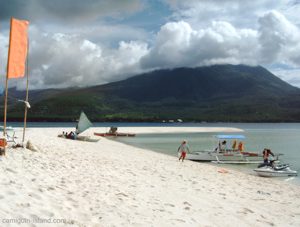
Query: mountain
x=215 y=93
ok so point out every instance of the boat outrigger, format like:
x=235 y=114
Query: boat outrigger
x=222 y=154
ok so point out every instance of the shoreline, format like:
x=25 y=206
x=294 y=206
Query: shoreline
x=176 y=129
x=111 y=183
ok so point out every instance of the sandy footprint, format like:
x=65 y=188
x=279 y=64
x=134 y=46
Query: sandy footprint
x=179 y=220
x=247 y=210
x=10 y=170
x=35 y=196
x=187 y=203
x=266 y=222
x=24 y=204
x=169 y=204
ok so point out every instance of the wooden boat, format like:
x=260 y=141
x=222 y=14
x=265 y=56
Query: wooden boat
x=107 y=134
x=113 y=131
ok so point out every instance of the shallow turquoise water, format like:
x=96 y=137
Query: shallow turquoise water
x=281 y=138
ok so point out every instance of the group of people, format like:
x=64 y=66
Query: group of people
x=184 y=149
x=71 y=135
x=235 y=146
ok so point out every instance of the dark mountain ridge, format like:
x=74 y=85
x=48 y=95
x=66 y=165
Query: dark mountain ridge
x=214 y=93
x=201 y=83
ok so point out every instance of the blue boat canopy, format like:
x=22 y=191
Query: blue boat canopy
x=230 y=136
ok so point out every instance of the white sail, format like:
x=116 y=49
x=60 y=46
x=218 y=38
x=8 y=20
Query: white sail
x=83 y=123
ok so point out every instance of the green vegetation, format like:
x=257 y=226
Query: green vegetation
x=216 y=93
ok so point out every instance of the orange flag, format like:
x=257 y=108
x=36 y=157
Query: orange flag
x=18 y=44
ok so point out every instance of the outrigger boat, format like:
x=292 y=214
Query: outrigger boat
x=267 y=170
x=113 y=131
x=107 y=134
x=82 y=125
x=221 y=154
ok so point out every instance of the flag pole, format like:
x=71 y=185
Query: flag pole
x=5 y=107
x=6 y=82
x=27 y=83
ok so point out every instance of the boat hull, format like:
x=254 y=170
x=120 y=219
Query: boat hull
x=87 y=139
x=81 y=138
x=114 y=134
x=226 y=157
x=270 y=172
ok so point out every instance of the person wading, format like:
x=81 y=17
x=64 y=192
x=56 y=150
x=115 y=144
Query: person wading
x=183 y=149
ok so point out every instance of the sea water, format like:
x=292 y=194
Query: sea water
x=281 y=138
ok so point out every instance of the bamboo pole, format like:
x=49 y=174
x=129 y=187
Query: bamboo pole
x=27 y=83
x=6 y=82
x=5 y=107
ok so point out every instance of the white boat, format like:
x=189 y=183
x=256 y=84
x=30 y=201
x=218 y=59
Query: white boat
x=221 y=154
x=282 y=170
x=82 y=125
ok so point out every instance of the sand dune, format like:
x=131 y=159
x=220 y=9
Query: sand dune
x=112 y=184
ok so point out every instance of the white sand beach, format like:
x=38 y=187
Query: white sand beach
x=112 y=184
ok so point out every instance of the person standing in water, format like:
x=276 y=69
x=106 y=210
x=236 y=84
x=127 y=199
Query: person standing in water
x=266 y=153
x=183 y=149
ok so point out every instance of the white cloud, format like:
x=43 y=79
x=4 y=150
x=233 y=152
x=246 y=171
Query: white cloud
x=279 y=39
x=178 y=45
x=62 y=60
x=242 y=14
x=109 y=34
x=3 y=59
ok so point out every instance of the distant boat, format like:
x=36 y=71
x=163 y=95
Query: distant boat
x=224 y=155
x=113 y=132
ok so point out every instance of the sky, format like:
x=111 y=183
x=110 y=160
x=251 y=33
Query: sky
x=92 y=42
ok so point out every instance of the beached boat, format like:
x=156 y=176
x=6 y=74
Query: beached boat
x=82 y=125
x=222 y=154
x=113 y=131
x=87 y=138
x=113 y=134
x=282 y=170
